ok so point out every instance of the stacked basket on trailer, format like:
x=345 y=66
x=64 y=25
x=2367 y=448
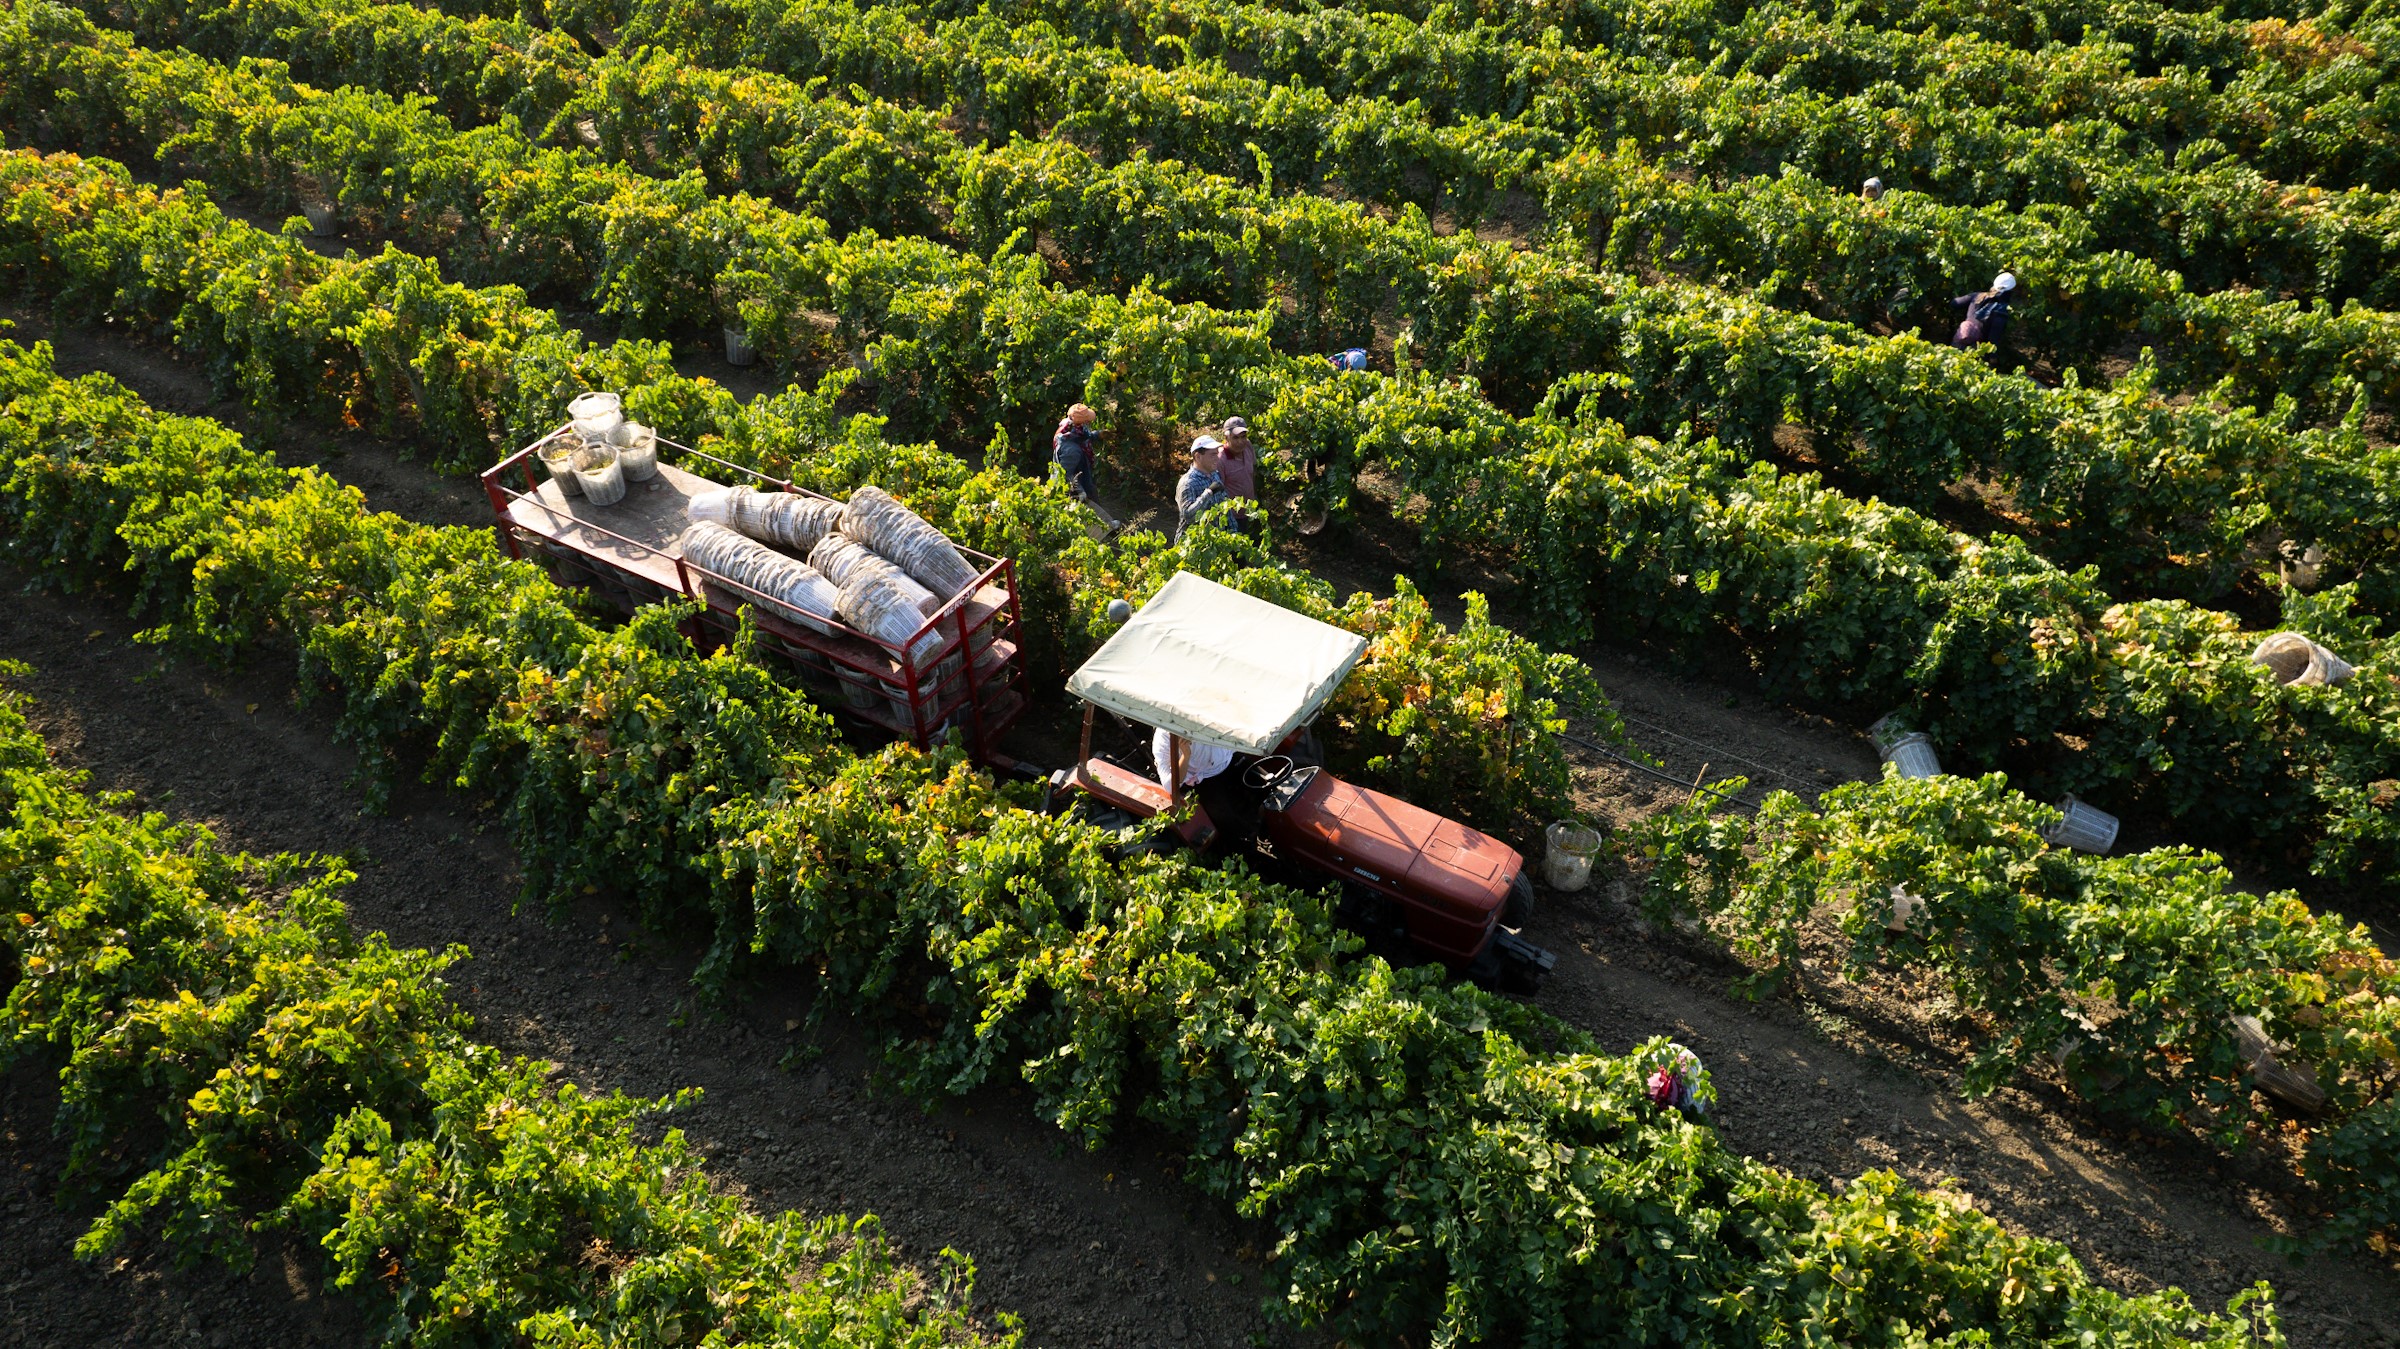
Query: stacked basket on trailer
x=869 y=603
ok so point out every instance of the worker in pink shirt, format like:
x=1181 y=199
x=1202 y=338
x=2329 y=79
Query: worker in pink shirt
x=1237 y=461
x=1237 y=468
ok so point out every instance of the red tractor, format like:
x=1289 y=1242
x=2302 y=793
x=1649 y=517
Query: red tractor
x=1228 y=685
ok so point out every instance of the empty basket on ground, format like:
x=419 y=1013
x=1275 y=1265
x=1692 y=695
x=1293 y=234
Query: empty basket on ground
x=792 y=587
x=2083 y=828
x=2303 y=567
x=2295 y=659
x=1910 y=751
x=787 y=520
x=2085 y=1055
x=2292 y=1086
x=901 y=537
x=1567 y=864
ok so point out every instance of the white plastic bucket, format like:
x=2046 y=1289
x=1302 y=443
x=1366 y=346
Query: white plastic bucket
x=1567 y=865
x=602 y=476
x=596 y=415
x=2294 y=659
x=1887 y=729
x=637 y=451
x=558 y=456
x=1913 y=755
x=2084 y=829
x=323 y=220
x=738 y=350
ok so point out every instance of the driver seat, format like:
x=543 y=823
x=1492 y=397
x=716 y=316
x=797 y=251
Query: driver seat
x=1140 y=797
x=1128 y=791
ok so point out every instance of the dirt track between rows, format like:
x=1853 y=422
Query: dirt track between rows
x=1091 y=1250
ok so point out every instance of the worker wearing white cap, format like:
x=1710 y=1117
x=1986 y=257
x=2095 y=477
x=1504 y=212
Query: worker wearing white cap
x=1873 y=191
x=1986 y=313
x=1201 y=486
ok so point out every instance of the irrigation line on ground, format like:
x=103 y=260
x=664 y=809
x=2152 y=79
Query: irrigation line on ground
x=1717 y=750
x=1662 y=775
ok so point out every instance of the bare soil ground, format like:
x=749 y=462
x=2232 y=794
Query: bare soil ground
x=1103 y=1249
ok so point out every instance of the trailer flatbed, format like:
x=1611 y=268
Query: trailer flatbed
x=630 y=553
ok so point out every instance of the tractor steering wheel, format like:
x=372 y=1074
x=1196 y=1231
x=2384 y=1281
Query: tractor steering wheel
x=1268 y=773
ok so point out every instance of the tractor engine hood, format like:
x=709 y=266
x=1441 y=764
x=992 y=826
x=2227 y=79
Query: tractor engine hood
x=1388 y=842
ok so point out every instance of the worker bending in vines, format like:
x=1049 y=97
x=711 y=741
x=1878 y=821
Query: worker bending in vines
x=1986 y=314
x=1074 y=448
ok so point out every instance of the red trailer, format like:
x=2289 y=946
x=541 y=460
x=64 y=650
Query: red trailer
x=970 y=677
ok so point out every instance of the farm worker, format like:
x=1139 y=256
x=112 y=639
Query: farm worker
x=1237 y=463
x=1676 y=1081
x=1987 y=313
x=1200 y=762
x=1201 y=487
x=1873 y=191
x=1072 y=449
x=1353 y=359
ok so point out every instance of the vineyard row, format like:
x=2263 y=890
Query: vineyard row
x=215 y=1012
x=2162 y=498
x=2125 y=973
x=2216 y=219
x=2302 y=102
x=2218 y=225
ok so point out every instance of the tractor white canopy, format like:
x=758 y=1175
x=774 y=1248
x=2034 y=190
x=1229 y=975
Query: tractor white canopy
x=1216 y=666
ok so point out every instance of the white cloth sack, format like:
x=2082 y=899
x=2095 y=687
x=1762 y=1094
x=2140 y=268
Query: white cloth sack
x=902 y=537
x=790 y=587
x=844 y=560
x=787 y=520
